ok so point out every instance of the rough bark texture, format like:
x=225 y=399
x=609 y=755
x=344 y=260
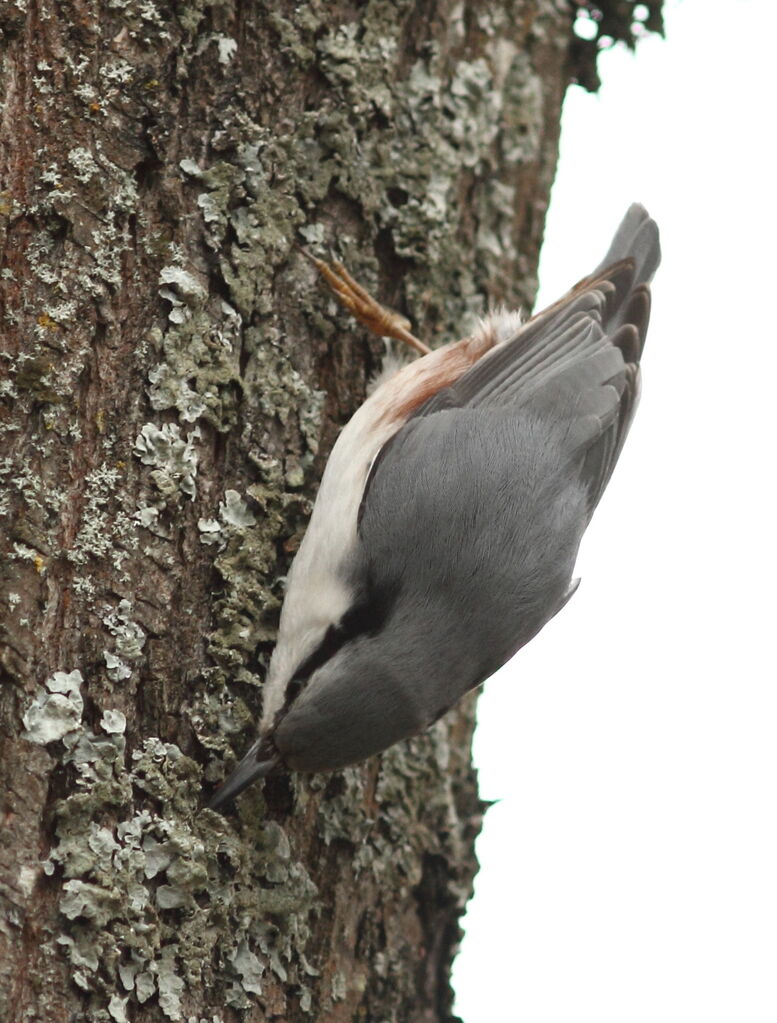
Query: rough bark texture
x=171 y=379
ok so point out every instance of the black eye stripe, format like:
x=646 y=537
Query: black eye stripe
x=334 y=637
x=365 y=619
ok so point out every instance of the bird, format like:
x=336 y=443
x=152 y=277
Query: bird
x=450 y=512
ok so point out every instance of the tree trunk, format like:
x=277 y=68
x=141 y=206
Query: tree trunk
x=172 y=378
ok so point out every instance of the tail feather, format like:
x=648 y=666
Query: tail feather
x=636 y=239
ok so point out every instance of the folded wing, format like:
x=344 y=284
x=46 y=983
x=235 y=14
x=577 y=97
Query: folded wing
x=578 y=360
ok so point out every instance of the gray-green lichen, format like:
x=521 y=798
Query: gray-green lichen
x=154 y=890
x=449 y=122
x=174 y=459
x=106 y=532
x=56 y=709
x=128 y=642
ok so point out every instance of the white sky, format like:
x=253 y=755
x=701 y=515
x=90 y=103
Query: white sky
x=629 y=872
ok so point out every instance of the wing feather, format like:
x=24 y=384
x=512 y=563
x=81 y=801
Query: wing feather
x=579 y=359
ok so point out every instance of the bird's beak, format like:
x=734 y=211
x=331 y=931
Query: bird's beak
x=248 y=770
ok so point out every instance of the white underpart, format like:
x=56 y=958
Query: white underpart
x=504 y=322
x=317 y=595
x=394 y=359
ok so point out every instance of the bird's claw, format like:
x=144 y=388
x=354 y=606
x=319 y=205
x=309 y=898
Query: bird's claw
x=362 y=306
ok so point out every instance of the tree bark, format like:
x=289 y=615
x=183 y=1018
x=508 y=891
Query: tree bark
x=172 y=377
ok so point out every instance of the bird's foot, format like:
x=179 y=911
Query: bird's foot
x=361 y=305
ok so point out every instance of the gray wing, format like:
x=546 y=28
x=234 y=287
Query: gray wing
x=579 y=359
x=469 y=537
x=474 y=511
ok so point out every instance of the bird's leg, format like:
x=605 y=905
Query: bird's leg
x=363 y=306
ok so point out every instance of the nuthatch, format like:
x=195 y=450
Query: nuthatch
x=447 y=524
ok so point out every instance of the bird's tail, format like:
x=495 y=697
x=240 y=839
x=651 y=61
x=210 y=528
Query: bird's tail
x=636 y=239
